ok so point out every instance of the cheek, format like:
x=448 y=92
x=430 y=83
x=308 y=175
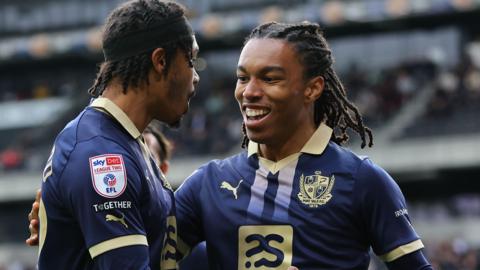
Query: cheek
x=175 y=91
x=238 y=93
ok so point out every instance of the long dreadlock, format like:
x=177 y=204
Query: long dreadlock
x=333 y=106
x=131 y=17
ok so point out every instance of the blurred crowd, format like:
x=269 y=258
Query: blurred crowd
x=213 y=125
x=17 y=265
x=19 y=148
x=35 y=83
x=455 y=104
x=454 y=255
x=380 y=94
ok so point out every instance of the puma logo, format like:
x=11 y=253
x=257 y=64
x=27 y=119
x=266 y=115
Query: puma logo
x=117 y=219
x=227 y=186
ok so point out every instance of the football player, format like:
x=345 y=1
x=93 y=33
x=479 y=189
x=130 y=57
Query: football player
x=296 y=196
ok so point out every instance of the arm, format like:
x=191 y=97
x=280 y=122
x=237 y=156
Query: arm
x=412 y=261
x=103 y=189
x=384 y=213
x=131 y=257
x=189 y=212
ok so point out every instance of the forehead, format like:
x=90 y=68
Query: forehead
x=259 y=53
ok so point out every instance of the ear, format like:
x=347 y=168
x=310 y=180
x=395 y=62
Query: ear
x=158 y=60
x=314 y=89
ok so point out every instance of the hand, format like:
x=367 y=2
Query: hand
x=292 y=268
x=34 y=221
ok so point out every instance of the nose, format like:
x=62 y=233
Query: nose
x=252 y=90
x=196 y=77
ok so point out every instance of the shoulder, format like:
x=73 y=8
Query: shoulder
x=372 y=181
x=343 y=159
x=91 y=131
x=214 y=170
x=84 y=153
x=367 y=174
x=217 y=167
x=370 y=171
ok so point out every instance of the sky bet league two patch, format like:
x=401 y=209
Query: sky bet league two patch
x=109 y=177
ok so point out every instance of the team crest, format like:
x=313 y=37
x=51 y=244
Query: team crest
x=315 y=189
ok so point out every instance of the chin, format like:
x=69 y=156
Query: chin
x=256 y=137
x=175 y=124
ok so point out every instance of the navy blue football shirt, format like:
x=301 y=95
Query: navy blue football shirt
x=322 y=208
x=102 y=192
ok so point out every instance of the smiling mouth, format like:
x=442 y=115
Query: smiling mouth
x=256 y=114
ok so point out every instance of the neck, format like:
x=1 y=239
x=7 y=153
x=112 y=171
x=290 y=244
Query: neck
x=285 y=147
x=133 y=103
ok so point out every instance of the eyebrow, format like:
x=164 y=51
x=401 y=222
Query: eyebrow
x=264 y=70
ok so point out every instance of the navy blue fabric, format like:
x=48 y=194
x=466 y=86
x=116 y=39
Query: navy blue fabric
x=79 y=215
x=366 y=209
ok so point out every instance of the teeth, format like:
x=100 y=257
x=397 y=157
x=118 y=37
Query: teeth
x=253 y=112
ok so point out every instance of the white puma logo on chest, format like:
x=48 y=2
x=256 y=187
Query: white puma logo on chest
x=228 y=186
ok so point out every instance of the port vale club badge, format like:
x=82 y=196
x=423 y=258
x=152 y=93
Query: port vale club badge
x=315 y=189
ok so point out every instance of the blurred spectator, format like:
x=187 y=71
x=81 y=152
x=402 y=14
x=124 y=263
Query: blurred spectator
x=41 y=91
x=11 y=159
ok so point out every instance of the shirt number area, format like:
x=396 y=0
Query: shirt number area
x=170 y=245
x=265 y=247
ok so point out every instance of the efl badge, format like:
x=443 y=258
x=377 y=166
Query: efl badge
x=315 y=189
x=109 y=176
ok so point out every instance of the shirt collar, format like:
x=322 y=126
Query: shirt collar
x=107 y=105
x=315 y=145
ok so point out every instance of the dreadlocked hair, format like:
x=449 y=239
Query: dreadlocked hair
x=333 y=106
x=128 y=18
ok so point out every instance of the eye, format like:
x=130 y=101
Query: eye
x=192 y=59
x=192 y=62
x=242 y=78
x=269 y=79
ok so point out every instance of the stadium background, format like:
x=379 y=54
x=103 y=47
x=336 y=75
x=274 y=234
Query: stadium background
x=412 y=67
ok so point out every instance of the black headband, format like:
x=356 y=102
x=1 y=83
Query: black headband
x=140 y=41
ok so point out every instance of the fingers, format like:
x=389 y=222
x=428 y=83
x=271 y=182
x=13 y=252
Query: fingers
x=292 y=268
x=32 y=241
x=33 y=227
x=38 y=195
x=34 y=212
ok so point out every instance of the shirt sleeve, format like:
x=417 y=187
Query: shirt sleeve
x=384 y=213
x=102 y=188
x=130 y=257
x=412 y=261
x=189 y=212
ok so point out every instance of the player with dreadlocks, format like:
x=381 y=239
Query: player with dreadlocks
x=104 y=202
x=296 y=197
